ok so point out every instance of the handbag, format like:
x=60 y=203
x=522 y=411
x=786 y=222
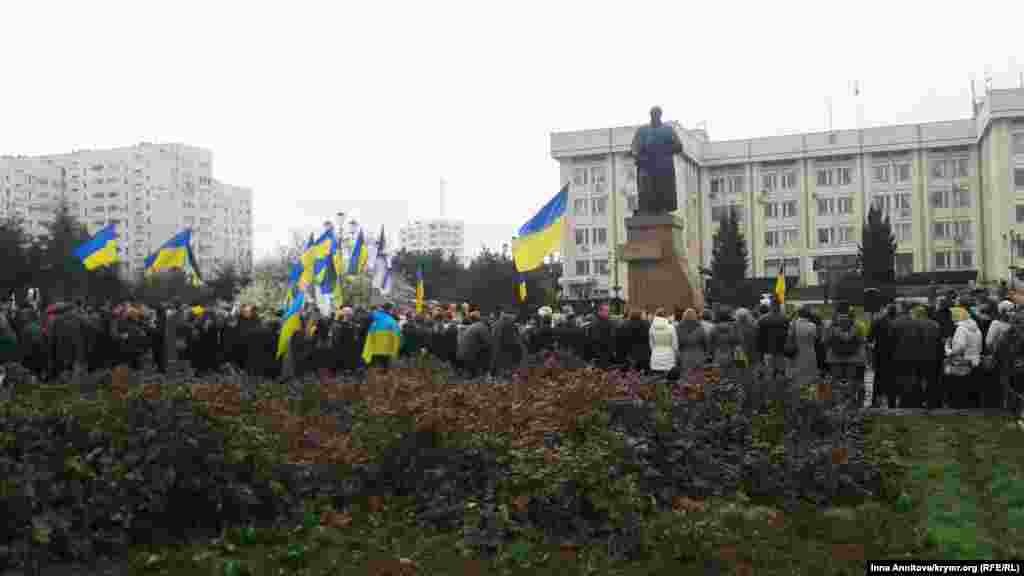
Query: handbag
x=957 y=366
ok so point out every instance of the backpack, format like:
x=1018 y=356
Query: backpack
x=845 y=341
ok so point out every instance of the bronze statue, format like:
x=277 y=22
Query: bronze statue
x=654 y=148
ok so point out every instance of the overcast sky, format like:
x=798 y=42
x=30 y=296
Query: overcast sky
x=362 y=107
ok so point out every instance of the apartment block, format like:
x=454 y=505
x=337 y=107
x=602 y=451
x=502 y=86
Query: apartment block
x=151 y=191
x=436 y=234
x=953 y=192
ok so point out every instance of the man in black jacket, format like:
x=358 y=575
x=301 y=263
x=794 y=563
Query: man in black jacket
x=772 y=330
x=602 y=338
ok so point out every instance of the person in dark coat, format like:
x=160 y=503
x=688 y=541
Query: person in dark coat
x=929 y=372
x=903 y=372
x=636 y=341
x=506 y=346
x=601 y=338
x=474 y=346
x=882 y=353
x=772 y=330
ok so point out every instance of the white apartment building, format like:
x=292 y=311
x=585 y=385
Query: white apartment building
x=954 y=192
x=436 y=234
x=151 y=191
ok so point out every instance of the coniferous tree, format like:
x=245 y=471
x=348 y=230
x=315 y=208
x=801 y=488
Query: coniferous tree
x=729 y=259
x=877 y=252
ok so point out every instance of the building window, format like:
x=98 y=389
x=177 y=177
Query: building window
x=846 y=234
x=940 y=199
x=790 y=266
x=845 y=205
x=960 y=165
x=844 y=176
x=881 y=173
x=825 y=206
x=719 y=213
x=938 y=168
x=903 y=205
x=941 y=230
x=579 y=177
x=599 y=236
x=771 y=238
x=1020 y=213
x=582 y=267
x=768 y=181
x=789 y=209
x=789 y=179
x=963 y=231
x=961 y=196
x=904 y=232
x=1018 y=143
x=771 y=210
x=942 y=260
x=736 y=184
x=825 y=236
x=579 y=206
x=717 y=184
x=601 y=267
x=598 y=177
x=581 y=236
x=824 y=177
x=966 y=259
x=903 y=173
x=791 y=236
x=599 y=206
x=1018 y=178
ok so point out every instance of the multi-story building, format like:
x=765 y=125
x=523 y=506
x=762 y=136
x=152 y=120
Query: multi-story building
x=437 y=234
x=953 y=191
x=151 y=191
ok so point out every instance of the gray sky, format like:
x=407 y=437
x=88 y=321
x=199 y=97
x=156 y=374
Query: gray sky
x=363 y=106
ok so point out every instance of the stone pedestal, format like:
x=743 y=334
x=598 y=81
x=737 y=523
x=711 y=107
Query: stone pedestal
x=656 y=254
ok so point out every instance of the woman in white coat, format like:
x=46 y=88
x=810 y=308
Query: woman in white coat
x=664 y=344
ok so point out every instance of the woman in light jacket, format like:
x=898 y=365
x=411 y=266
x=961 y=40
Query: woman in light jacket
x=664 y=344
x=966 y=347
x=804 y=333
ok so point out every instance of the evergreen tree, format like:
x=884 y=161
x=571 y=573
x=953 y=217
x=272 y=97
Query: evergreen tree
x=729 y=259
x=877 y=252
x=61 y=273
x=15 y=257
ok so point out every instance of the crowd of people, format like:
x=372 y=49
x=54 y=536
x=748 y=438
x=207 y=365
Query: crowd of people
x=958 y=351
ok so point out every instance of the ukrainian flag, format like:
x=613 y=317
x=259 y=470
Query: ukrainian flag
x=338 y=274
x=357 y=263
x=384 y=337
x=521 y=288
x=780 y=288
x=100 y=250
x=542 y=234
x=174 y=254
x=308 y=259
x=419 y=290
x=292 y=324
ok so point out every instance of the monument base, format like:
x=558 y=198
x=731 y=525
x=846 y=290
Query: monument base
x=658 y=271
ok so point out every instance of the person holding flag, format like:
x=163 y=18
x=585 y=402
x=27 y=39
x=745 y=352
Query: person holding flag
x=383 y=339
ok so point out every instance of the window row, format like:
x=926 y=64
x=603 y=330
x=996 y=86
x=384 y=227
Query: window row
x=596 y=206
x=787 y=237
x=790 y=266
x=957 y=197
x=720 y=213
x=594 y=177
x=882 y=173
x=830 y=206
x=835 y=236
x=599 y=267
x=727 y=184
x=591 y=236
x=895 y=205
x=774 y=210
x=942 y=168
x=1018 y=178
x=960 y=230
x=952 y=259
x=834 y=176
x=770 y=181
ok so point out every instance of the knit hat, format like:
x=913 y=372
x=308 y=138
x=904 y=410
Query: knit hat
x=1005 y=307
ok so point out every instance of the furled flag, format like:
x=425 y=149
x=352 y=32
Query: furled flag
x=384 y=337
x=174 y=254
x=376 y=256
x=419 y=290
x=521 y=287
x=292 y=324
x=357 y=262
x=380 y=271
x=100 y=250
x=780 y=287
x=542 y=234
x=385 y=284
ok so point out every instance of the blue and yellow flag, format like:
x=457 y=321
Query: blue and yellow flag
x=384 y=337
x=542 y=234
x=100 y=250
x=292 y=324
x=521 y=287
x=357 y=263
x=174 y=254
x=780 y=287
x=308 y=260
x=325 y=261
x=419 y=290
